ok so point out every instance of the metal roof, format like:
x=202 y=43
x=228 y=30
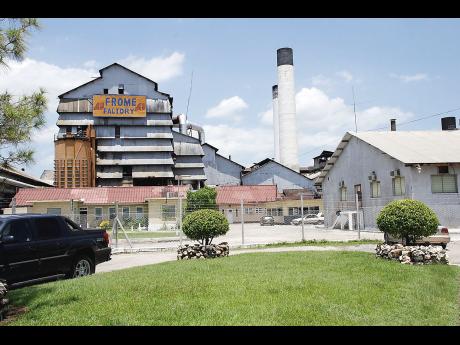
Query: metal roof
x=249 y=194
x=409 y=147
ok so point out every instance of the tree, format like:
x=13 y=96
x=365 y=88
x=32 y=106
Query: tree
x=204 y=198
x=19 y=115
x=203 y=225
x=407 y=219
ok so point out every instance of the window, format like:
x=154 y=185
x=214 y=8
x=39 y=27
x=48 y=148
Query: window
x=294 y=211
x=68 y=130
x=139 y=212
x=121 y=89
x=260 y=210
x=106 y=91
x=112 y=213
x=343 y=194
x=358 y=191
x=444 y=183
x=72 y=226
x=98 y=213
x=47 y=228
x=248 y=210
x=54 y=211
x=127 y=171
x=375 y=189
x=19 y=229
x=125 y=212
x=274 y=211
x=116 y=155
x=399 y=186
x=168 y=212
x=117 y=131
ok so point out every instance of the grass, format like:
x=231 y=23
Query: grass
x=143 y=234
x=292 y=288
x=316 y=243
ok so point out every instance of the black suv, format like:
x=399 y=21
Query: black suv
x=35 y=248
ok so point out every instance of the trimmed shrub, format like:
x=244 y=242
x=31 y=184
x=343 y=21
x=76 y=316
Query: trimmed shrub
x=407 y=219
x=204 y=225
x=203 y=198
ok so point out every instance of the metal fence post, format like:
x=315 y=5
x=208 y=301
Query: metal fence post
x=13 y=205
x=115 y=221
x=180 y=215
x=357 y=216
x=301 y=212
x=242 y=222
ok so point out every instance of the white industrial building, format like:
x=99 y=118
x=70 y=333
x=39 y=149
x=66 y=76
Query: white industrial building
x=370 y=169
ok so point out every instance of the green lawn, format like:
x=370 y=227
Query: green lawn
x=292 y=288
x=143 y=234
x=317 y=243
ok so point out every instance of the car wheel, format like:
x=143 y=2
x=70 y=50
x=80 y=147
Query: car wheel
x=83 y=266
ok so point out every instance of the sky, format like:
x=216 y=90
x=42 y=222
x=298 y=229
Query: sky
x=399 y=68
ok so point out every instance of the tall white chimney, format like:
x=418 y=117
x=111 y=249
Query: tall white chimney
x=276 y=128
x=286 y=109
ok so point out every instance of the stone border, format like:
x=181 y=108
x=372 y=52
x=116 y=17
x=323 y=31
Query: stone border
x=412 y=254
x=199 y=251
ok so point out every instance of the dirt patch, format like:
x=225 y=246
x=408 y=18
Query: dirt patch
x=13 y=313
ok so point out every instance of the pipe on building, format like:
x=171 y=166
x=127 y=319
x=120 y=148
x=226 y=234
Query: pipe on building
x=276 y=123
x=181 y=119
x=16 y=183
x=287 y=109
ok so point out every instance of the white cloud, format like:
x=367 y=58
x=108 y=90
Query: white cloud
x=345 y=75
x=321 y=80
x=322 y=121
x=158 y=68
x=228 y=107
x=27 y=76
x=410 y=78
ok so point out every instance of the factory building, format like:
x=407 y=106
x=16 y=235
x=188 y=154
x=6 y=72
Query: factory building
x=117 y=130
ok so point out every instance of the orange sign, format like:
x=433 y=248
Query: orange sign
x=119 y=106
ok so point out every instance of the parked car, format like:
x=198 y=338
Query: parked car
x=267 y=220
x=441 y=238
x=36 y=248
x=309 y=219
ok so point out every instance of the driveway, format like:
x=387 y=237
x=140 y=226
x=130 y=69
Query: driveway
x=255 y=234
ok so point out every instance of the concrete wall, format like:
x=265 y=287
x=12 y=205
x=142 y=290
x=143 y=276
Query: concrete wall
x=273 y=173
x=356 y=163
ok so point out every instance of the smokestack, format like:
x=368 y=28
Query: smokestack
x=276 y=123
x=287 y=110
x=448 y=123
x=393 y=125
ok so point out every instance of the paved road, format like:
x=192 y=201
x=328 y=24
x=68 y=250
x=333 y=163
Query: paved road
x=256 y=234
x=122 y=261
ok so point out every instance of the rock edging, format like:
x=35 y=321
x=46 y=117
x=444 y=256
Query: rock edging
x=199 y=251
x=412 y=254
x=3 y=300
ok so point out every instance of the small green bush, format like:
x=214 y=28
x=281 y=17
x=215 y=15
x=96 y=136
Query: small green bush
x=105 y=225
x=407 y=219
x=204 y=225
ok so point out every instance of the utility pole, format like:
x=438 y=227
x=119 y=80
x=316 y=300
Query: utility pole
x=13 y=205
x=301 y=212
x=357 y=215
x=180 y=209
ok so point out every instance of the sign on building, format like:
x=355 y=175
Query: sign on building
x=119 y=106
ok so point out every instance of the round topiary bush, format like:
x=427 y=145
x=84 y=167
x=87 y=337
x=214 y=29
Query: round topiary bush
x=407 y=219
x=204 y=225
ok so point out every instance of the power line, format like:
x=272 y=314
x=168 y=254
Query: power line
x=189 y=94
x=420 y=118
x=354 y=107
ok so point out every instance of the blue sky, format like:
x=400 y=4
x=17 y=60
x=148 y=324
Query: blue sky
x=399 y=68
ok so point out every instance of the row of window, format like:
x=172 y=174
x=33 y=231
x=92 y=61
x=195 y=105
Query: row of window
x=446 y=183
x=292 y=211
